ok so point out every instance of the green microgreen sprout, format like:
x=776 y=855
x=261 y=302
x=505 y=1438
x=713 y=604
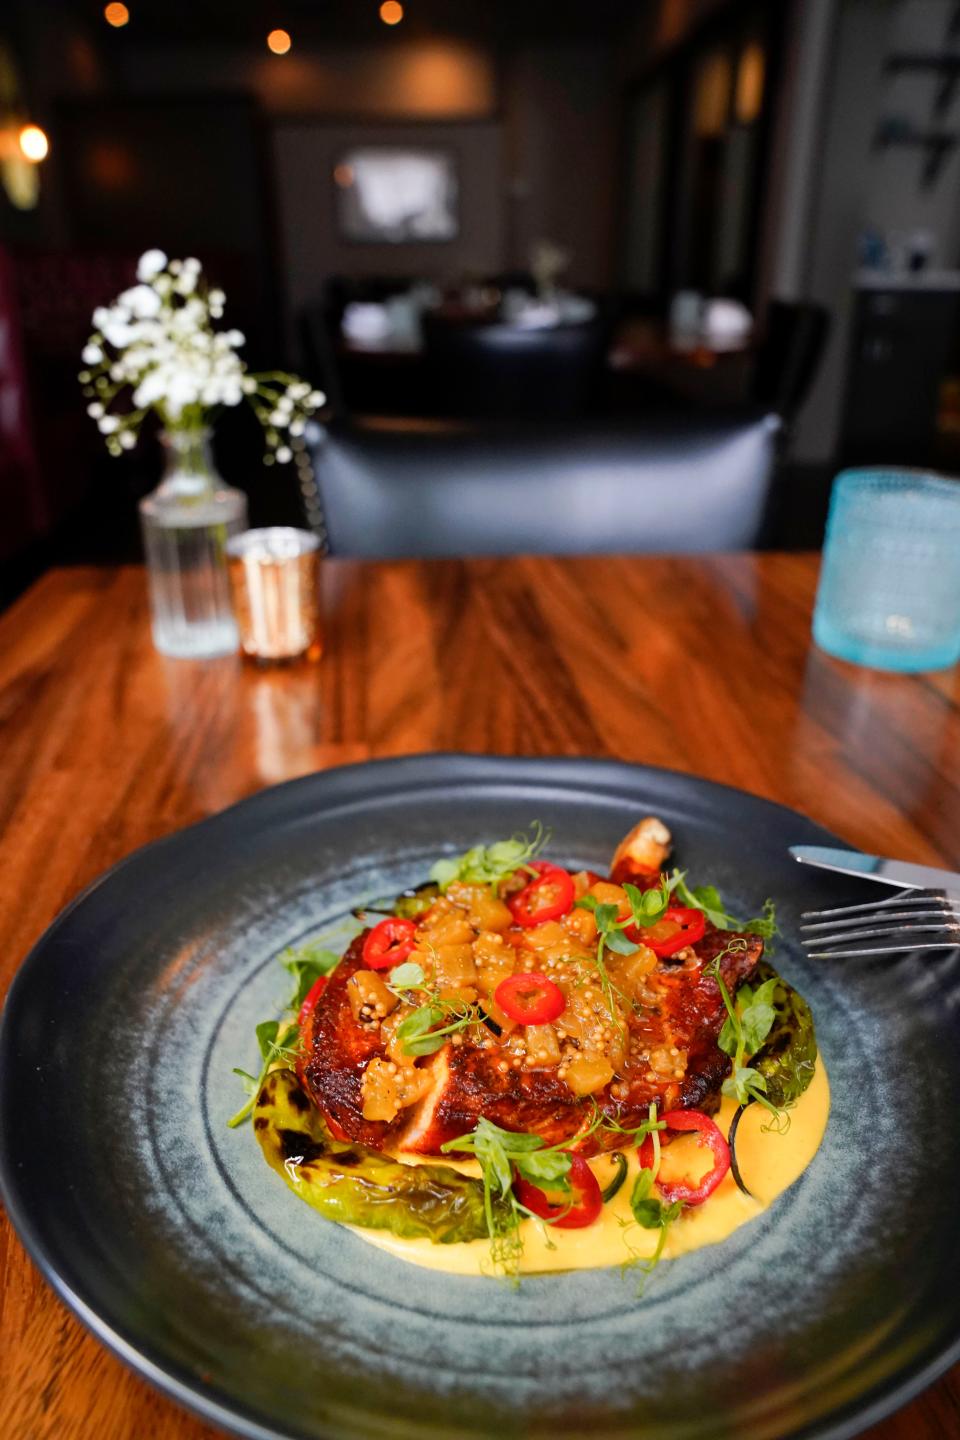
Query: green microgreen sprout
x=707 y=898
x=652 y=1214
x=646 y=908
x=748 y=1023
x=417 y=1032
x=491 y=864
x=500 y=1153
x=306 y=963
x=275 y=1044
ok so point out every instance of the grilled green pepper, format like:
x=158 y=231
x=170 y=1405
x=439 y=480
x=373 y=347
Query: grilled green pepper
x=360 y=1186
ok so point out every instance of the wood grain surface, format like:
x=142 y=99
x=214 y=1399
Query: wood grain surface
x=702 y=665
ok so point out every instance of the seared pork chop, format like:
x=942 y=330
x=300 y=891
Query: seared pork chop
x=670 y=1057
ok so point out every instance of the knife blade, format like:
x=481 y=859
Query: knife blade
x=875 y=867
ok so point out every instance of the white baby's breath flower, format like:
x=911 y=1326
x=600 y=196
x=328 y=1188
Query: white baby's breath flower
x=142 y=301
x=151 y=262
x=181 y=392
x=315 y=399
x=117 y=333
x=150 y=390
x=164 y=348
x=95 y=410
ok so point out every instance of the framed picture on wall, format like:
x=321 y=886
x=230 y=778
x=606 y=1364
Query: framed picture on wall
x=397 y=194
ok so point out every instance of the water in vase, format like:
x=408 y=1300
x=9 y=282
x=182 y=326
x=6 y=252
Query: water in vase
x=186 y=523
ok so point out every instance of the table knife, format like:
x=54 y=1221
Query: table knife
x=875 y=867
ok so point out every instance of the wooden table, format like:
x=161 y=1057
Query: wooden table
x=698 y=664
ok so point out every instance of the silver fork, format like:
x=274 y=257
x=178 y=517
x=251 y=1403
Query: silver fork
x=907 y=914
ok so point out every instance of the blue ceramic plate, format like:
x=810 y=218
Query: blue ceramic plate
x=184 y=1253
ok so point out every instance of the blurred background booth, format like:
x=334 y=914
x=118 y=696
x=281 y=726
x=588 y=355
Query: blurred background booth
x=653 y=215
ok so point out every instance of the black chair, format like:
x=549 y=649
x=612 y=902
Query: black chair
x=500 y=371
x=795 y=334
x=434 y=488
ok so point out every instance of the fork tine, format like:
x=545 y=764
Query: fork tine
x=944 y=916
x=882 y=950
x=912 y=897
x=887 y=932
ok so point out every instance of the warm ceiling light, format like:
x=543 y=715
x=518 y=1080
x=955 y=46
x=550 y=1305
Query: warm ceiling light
x=34 y=143
x=279 y=42
x=116 y=15
x=391 y=12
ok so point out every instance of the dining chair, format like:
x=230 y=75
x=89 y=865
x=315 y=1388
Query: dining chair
x=420 y=488
x=789 y=355
x=499 y=370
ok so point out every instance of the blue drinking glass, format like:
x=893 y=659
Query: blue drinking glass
x=889 y=594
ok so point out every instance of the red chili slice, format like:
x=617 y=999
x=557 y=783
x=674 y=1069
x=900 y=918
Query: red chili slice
x=548 y=897
x=570 y=1211
x=530 y=998
x=388 y=943
x=310 y=1000
x=677 y=928
x=707 y=1134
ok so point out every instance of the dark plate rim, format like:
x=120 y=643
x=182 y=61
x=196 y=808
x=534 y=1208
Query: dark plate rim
x=882 y=1400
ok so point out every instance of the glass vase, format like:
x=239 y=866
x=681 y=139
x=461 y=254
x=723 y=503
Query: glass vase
x=186 y=523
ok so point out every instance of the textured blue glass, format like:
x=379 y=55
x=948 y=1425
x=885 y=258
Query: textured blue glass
x=889 y=594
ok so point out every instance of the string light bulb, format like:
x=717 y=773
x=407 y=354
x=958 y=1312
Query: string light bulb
x=34 y=145
x=279 y=42
x=391 y=12
x=116 y=15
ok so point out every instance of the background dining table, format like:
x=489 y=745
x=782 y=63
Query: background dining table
x=700 y=664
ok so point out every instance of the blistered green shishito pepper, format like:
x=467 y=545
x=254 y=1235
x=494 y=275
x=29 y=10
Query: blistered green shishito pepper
x=357 y=1185
x=788 y=1057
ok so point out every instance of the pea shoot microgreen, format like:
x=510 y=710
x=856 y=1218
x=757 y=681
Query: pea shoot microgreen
x=490 y=864
x=748 y=1023
x=635 y=1134
x=417 y=1032
x=500 y=1153
x=707 y=898
x=306 y=963
x=275 y=1044
x=408 y=976
x=646 y=908
x=652 y=1214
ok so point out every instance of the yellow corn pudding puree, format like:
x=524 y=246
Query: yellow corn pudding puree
x=769 y=1162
